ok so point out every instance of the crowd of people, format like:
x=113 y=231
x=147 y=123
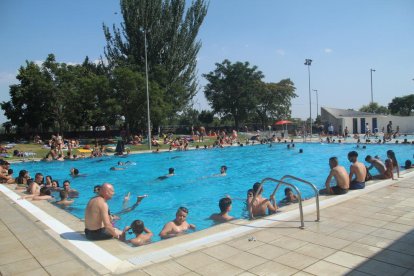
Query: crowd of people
x=99 y=221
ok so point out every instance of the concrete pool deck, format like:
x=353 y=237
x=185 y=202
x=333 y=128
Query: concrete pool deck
x=367 y=232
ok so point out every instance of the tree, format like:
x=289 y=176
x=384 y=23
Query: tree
x=171 y=33
x=403 y=106
x=29 y=105
x=232 y=89
x=374 y=108
x=206 y=117
x=275 y=101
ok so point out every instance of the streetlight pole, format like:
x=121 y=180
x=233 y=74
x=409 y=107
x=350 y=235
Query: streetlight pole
x=372 y=93
x=308 y=62
x=148 y=105
x=317 y=104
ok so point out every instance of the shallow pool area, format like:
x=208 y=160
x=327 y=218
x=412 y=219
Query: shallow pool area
x=195 y=184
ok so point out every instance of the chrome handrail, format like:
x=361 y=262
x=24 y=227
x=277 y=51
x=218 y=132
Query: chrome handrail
x=314 y=189
x=280 y=182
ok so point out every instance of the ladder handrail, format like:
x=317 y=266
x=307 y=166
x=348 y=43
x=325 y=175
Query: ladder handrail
x=280 y=182
x=313 y=187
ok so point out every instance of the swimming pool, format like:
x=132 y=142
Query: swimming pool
x=194 y=185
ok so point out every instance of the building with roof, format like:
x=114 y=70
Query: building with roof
x=358 y=121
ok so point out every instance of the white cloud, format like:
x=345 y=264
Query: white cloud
x=328 y=50
x=280 y=52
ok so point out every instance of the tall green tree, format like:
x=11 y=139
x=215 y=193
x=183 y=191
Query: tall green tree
x=29 y=106
x=206 y=117
x=171 y=31
x=403 y=106
x=232 y=89
x=274 y=101
x=374 y=108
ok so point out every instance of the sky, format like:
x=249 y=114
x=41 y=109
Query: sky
x=345 y=39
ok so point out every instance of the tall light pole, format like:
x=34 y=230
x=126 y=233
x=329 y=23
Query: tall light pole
x=317 y=104
x=308 y=62
x=148 y=105
x=372 y=93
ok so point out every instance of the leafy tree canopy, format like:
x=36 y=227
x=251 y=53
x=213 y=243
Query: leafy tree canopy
x=171 y=31
x=403 y=106
x=374 y=108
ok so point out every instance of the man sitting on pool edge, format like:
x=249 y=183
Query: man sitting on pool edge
x=359 y=170
x=98 y=224
x=341 y=177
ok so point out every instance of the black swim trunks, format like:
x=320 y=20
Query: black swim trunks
x=97 y=235
x=339 y=191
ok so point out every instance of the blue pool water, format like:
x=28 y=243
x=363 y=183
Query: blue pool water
x=194 y=185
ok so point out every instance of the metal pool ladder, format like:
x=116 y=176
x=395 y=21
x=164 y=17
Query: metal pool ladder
x=312 y=186
x=281 y=182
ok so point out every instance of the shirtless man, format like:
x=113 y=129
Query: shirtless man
x=225 y=208
x=98 y=225
x=142 y=234
x=341 y=177
x=359 y=170
x=378 y=165
x=64 y=199
x=178 y=226
x=34 y=187
x=258 y=205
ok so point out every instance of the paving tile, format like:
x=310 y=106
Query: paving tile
x=54 y=255
x=70 y=267
x=19 y=267
x=345 y=259
x=398 y=227
x=347 y=235
x=402 y=247
x=376 y=241
x=266 y=236
x=316 y=251
x=244 y=243
x=138 y=272
x=361 y=249
x=360 y=228
x=387 y=234
x=268 y=251
x=191 y=273
x=395 y=258
x=246 y=273
x=302 y=273
x=14 y=255
x=219 y=268
x=195 y=260
x=325 y=268
x=288 y=243
x=374 y=267
x=409 y=273
x=168 y=268
x=296 y=260
x=273 y=268
x=245 y=260
x=34 y=272
x=221 y=251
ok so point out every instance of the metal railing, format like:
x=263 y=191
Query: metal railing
x=280 y=182
x=313 y=187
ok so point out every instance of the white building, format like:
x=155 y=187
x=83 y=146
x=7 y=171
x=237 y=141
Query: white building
x=356 y=121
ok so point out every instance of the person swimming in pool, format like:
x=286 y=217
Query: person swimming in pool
x=225 y=208
x=178 y=226
x=358 y=169
x=258 y=205
x=142 y=234
x=341 y=177
x=171 y=172
x=223 y=170
x=290 y=197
